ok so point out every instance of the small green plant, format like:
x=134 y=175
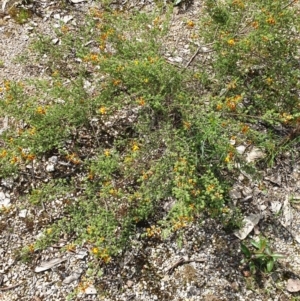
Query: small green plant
x=20 y=15
x=260 y=257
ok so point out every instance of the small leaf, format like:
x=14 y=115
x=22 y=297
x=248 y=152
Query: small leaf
x=252 y=267
x=270 y=265
x=255 y=244
x=268 y=251
x=245 y=251
x=259 y=255
x=277 y=256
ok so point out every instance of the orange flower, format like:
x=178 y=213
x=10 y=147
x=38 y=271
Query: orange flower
x=116 y=82
x=141 y=101
x=271 y=21
x=255 y=24
x=245 y=129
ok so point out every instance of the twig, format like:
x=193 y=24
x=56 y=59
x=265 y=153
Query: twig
x=198 y=50
x=196 y=53
x=182 y=261
x=10 y=287
x=290 y=3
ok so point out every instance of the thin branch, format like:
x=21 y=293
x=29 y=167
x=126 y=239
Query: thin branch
x=181 y=261
x=10 y=287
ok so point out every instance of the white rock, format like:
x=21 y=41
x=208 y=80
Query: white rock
x=2 y=195
x=275 y=206
x=46 y=265
x=241 y=149
x=73 y=277
x=5 y=203
x=55 y=41
x=90 y=290
x=254 y=154
x=53 y=159
x=4 y=200
x=23 y=213
x=50 y=167
x=67 y=18
x=249 y=223
x=81 y=254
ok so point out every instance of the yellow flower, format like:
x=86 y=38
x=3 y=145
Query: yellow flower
x=107 y=153
x=210 y=187
x=190 y=24
x=32 y=131
x=231 y=85
x=95 y=250
x=65 y=28
x=227 y=159
x=40 y=110
x=186 y=125
x=231 y=42
x=49 y=231
x=3 y=154
x=269 y=81
x=135 y=147
x=146 y=80
x=219 y=107
x=105 y=257
x=71 y=247
x=102 y=110
x=89 y=230
x=7 y=85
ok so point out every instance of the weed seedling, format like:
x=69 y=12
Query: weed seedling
x=260 y=257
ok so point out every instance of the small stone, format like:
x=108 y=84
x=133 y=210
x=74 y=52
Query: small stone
x=81 y=254
x=4 y=200
x=241 y=149
x=129 y=283
x=23 y=213
x=90 y=290
x=53 y=159
x=235 y=194
x=50 y=167
x=66 y=19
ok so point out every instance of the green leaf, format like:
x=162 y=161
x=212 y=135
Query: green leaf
x=277 y=256
x=252 y=267
x=255 y=244
x=268 y=251
x=245 y=251
x=259 y=255
x=270 y=265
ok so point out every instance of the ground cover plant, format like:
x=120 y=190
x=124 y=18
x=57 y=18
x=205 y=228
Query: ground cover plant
x=134 y=131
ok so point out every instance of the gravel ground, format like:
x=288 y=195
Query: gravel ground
x=203 y=263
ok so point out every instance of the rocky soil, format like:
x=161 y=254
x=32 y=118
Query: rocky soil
x=202 y=264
